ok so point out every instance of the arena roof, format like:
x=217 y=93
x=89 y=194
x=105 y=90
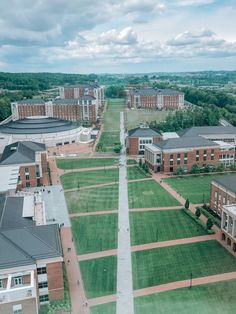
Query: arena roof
x=39 y=125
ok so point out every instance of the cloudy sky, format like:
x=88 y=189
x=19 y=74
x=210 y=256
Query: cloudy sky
x=119 y=36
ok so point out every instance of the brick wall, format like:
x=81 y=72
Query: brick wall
x=167 y=165
x=28 y=110
x=55 y=281
x=219 y=197
x=133 y=145
x=28 y=306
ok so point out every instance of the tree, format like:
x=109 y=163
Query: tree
x=195 y=169
x=198 y=212
x=186 y=205
x=140 y=163
x=209 y=223
x=117 y=148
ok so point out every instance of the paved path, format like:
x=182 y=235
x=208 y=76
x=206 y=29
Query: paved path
x=184 y=284
x=102 y=212
x=106 y=253
x=77 y=294
x=149 y=246
x=124 y=304
x=90 y=186
x=155 y=208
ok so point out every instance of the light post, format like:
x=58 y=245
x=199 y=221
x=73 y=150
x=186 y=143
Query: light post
x=191 y=280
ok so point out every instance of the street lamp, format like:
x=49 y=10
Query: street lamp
x=191 y=280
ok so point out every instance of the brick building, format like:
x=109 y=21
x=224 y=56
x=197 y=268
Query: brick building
x=139 y=137
x=223 y=192
x=76 y=91
x=31 y=157
x=228 y=226
x=84 y=108
x=169 y=155
x=153 y=98
x=31 y=259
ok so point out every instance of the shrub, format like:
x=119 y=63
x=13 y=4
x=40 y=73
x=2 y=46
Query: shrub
x=209 y=223
x=198 y=212
x=186 y=205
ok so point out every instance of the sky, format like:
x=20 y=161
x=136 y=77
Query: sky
x=117 y=36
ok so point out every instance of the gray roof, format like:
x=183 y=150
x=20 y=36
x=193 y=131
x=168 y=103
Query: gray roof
x=188 y=142
x=21 y=152
x=65 y=101
x=87 y=97
x=11 y=210
x=208 y=130
x=23 y=246
x=38 y=126
x=155 y=92
x=142 y=132
x=31 y=101
x=227 y=181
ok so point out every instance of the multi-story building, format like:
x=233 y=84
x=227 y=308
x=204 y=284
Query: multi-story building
x=138 y=138
x=223 y=192
x=31 y=259
x=27 y=108
x=213 y=133
x=83 y=108
x=228 y=226
x=31 y=157
x=153 y=98
x=76 y=91
x=169 y=155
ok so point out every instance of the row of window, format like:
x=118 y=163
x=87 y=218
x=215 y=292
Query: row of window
x=145 y=141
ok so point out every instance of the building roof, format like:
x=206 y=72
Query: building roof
x=23 y=246
x=87 y=97
x=167 y=135
x=11 y=213
x=69 y=101
x=142 y=132
x=21 y=153
x=208 y=130
x=188 y=142
x=154 y=92
x=39 y=125
x=227 y=181
x=33 y=101
x=9 y=178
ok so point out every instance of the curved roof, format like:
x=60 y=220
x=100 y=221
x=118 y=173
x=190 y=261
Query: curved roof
x=38 y=126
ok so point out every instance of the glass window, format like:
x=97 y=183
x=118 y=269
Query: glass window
x=43 y=298
x=171 y=156
x=43 y=285
x=1 y=283
x=26 y=177
x=17 y=309
x=18 y=281
x=26 y=169
x=27 y=184
x=185 y=155
x=197 y=152
x=178 y=156
x=205 y=151
x=212 y=151
x=41 y=270
x=185 y=161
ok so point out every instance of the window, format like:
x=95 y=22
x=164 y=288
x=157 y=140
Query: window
x=17 y=309
x=204 y=158
x=18 y=281
x=41 y=270
x=43 y=285
x=26 y=177
x=185 y=155
x=185 y=161
x=26 y=169
x=212 y=157
x=27 y=184
x=197 y=152
x=178 y=161
x=171 y=162
x=1 y=283
x=178 y=156
x=212 y=151
x=197 y=158
x=43 y=298
x=171 y=157
x=37 y=171
x=205 y=151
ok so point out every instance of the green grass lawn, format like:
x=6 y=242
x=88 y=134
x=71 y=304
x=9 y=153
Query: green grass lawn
x=134 y=117
x=174 y=263
x=99 y=276
x=107 y=308
x=108 y=139
x=152 y=226
x=214 y=298
x=134 y=173
x=95 y=233
x=149 y=194
x=196 y=188
x=72 y=180
x=95 y=199
x=86 y=163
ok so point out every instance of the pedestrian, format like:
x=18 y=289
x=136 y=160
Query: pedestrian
x=68 y=262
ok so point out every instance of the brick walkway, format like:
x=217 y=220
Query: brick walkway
x=75 y=282
x=155 y=208
x=90 y=187
x=84 y=257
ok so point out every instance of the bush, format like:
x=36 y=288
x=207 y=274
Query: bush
x=209 y=213
x=209 y=223
x=198 y=212
x=198 y=221
x=186 y=205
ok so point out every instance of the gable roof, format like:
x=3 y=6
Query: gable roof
x=182 y=142
x=23 y=246
x=142 y=132
x=207 y=130
x=21 y=152
x=227 y=181
x=154 y=92
x=31 y=101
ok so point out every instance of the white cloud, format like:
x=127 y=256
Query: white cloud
x=194 y=2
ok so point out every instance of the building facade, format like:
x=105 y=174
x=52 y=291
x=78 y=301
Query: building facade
x=138 y=138
x=76 y=91
x=170 y=155
x=223 y=192
x=32 y=160
x=156 y=99
x=84 y=108
x=228 y=226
